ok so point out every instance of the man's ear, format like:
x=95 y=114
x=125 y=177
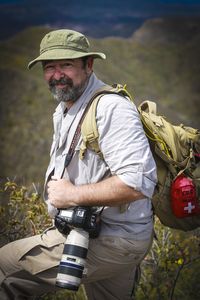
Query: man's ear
x=90 y=64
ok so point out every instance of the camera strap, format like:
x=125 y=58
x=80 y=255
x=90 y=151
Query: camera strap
x=77 y=133
x=75 y=140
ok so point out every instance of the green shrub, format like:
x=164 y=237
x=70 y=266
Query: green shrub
x=172 y=267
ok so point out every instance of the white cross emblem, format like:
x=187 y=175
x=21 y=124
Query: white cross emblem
x=189 y=208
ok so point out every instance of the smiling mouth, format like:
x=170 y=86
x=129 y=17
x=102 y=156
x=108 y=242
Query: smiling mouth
x=61 y=85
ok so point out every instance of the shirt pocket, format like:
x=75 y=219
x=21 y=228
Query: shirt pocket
x=90 y=169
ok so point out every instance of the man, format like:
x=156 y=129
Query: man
x=125 y=177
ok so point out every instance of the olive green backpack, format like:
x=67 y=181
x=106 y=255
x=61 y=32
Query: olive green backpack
x=176 y=150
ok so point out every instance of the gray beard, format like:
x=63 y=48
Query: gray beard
x=70 y=94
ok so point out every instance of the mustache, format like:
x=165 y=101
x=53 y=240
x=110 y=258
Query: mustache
x=63 y=80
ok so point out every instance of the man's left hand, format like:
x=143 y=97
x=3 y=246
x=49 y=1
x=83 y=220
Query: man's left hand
x=60 y=193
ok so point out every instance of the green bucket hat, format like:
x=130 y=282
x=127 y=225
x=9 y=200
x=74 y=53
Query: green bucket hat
x=64 y=44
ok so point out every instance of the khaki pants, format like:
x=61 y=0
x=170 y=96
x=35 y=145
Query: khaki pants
x=28 y=267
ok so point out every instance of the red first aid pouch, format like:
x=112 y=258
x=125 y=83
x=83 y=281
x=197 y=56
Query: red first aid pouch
x=184 y=201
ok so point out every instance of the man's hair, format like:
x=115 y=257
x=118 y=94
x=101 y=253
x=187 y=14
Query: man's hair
x=84 y=60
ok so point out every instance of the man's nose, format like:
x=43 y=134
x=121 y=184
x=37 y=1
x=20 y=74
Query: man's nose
x=58 y=73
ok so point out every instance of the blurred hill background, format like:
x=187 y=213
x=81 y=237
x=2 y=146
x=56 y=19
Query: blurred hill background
x=158 y=59
x=97 y=19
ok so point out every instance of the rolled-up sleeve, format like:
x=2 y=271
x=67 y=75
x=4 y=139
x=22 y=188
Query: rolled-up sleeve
x=124 y=145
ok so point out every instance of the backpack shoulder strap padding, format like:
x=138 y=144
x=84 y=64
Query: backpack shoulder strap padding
x=89 y=130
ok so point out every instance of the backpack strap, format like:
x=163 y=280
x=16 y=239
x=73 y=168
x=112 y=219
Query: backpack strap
x=89 y=131
x=174 y=165
x=89 y=128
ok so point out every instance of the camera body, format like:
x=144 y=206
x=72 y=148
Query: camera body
x=79 y=217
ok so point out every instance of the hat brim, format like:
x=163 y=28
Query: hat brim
x=59 y=54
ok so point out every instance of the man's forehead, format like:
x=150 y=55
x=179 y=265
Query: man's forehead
x=60 y=61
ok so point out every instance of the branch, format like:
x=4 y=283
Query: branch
x=178 y=274
x=175 y=281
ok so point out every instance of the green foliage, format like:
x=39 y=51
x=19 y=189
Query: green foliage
x=172 y=268
x=22 y=211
